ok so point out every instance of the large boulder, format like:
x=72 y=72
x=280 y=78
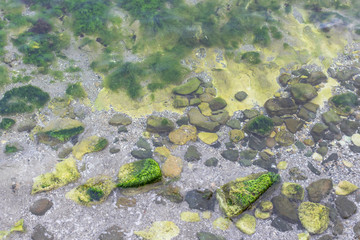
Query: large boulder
x=156 y=124
x=280 y=106
x=314 y=217
x=201 y=122
x=303 y=92
x=236 y=196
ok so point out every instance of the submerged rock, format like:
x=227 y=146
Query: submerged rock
x=112 y=233
x=345 y=188
x=201 y=200
x=217 y=104
x=285 y=208
x=89 y=145
x=201 y=122
x=318 y=131
x=260 y=125
x=293 y=191
x=120 y=119
x=236 y=196
x=247 y=224
x=139 y=173
x=162 y=230
x=94 y=191
x=59 y=131
x=208 y=236
x=241 y=96
x=156 y=124
x=314 y=217
x=183 y=135
x=345 y=207
x=187 y=88
x=344 y=103
x=65 y=172
x=41 y=206
x=284 y=138
x=319 y=189
x=192 y=154
x=41 y=233
x=302 y=92
x=280 y=106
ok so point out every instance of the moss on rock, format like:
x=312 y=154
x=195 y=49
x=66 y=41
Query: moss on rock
x=236 y=196
x=94 y=191
x=260 y=125
x=314 y=217
x=6 y=123
x=65 y=172
x=187 y=88
x=344 y=103
x=139 y=173
x=89 y=145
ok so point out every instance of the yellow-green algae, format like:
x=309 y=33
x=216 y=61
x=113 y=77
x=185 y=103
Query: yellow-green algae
x=162 y=230
x=65 y=172
x=18 y=227
x=314 y=217
x=100 y=186
x=236 y=196
x=139 y=173
x=89 y=145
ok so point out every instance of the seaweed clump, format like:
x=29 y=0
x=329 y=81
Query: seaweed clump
x=260 y=125
x=23 y=99
x=251 y=57
x=344 y=102
x=76 y=90
x=6 y=123
x=10 y=148
x=139 y=173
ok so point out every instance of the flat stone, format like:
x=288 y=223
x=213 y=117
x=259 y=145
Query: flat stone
x=280 y=106
x=41 y=233
x=282 y=165
x=112 y=233
x=217 y=104
x=183 y=135
x=236 y=135
x=125 y=202
x=201 y=200
x=190 y=217
x=250 y=113
x=284 y=138
x=180 y=101
x=187 y=88
x=312 y=107
x=345 y=207
x=172 y=167
x=326 y=237
x=192 y=154
x=304 y=236
x=141 y=154
x=302 y=92
x=157 y=124
x=201 y=122
x=330 y=117
x=293 y=125
x=257 y=143
x=222 y=223
x=348 y=127
x=316 y=78
x=220 y=116
x=297 y=174
x=285 y=209
x=241 y=96
x=234 y=124
x=208 y=236
x=41 y=206
x=345 y=188
x=230 y=154
x=319 y=189
x=208 y=138
x=356 y=229
x=211 y=162
x=172 y=193
x=160 y=230
x=204 y=108
x=355 y=138
x=318 y=131
x=281 y=225
x=314 y=217
x=247 y=224
x=120 y=119
x=293 y=191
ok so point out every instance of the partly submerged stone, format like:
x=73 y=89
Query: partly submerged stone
x=120 y=119
x=65 y=172
x=94 y=191
x=183 y=135
x=314 y=217
x=236 y=196
x=59 y=131
x=139 y=173
x=162 y=230
x=302 y=92
x=187 y=88
x=89 y=145
x=280 y=106
x=217 y=104
x=345 y=188
x=156 y=124
x=247 y=224
x=344 y=103
x=201 y=122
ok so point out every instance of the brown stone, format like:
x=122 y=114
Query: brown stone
x=183 y=134
x=172 y=167
x=41 y=206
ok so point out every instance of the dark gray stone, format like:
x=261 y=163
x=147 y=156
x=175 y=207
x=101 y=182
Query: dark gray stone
x=281 y=225
x=241 y=96
x=319 y=189
x=326 y=237
x=142 y=143
x=356 y=229
x=248 y=154
x=230 y=154
x=41 y=233
x=122 y=129
x=345 y=207
x=211 y=162
x=257 y=143
x=331 y=158
x=208 y=236
x=112 y=233
x=114 y=150
x=192 y=154
x=41 y=206
x=338 y=228
x=318 y=131
x=349 y=127
x=201 y=200
x=354 y=149
x=313 y=169
x=280 y=106
x=316 y=78
x=285 y=209
x=293 y=125
x=141 y=154
x=183 y=121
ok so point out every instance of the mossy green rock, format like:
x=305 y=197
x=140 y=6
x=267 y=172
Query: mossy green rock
x=59 y=131
x=180 y=102
x=217 y=104
x=65 y=172
x=236 y=196
x=94 y=191
x=280 y=106
x=6 y=123
x=303 y=92
x=247 y=224
x=284 y=138
x=89 y=145
x=293 y=191
x=139 y=173
x=314 y=217
x=187 y=88
x=343 y=104
x=201 y=122
x=330 y=117
x=260 y=125
x=159 y=124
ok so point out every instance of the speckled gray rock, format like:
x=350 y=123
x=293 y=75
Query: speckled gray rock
x=41 y=206
x=41 y=233
x=345 y=207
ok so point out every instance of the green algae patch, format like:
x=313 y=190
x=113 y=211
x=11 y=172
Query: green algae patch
x=60 y=131
x=65 y=172
x=89 y=145
x=187 y=88
x=343 y=104
x=314 y=217
x=23 y=99
x=139 y=173
x=94 y=191
x=18 y=227
x=6 y=123
x=260 y=125
x=236 y=196
x=76 y=90
x=162 y=230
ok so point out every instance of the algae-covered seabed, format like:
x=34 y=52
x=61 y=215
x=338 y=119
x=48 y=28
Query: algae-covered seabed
x=68 y=220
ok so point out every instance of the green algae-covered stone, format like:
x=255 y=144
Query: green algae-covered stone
x=344 y=103
x=65 y=172
x=157 y=124
x=247 y=224
x=94 y=191
x=314 y=217
x=293 y=191
x=139 y=173
x=6 y=123
x=89 y=145
x=260 y=125
x=236 y=196
x=303 y=92
x=187 y=88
